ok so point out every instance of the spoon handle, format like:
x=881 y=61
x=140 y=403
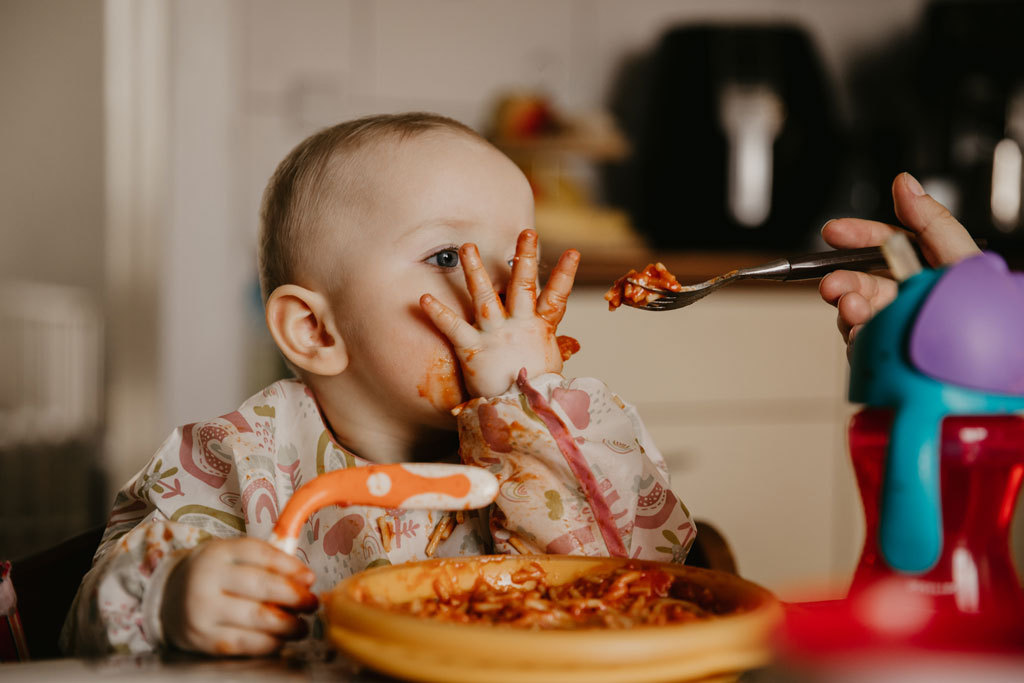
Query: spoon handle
x=424 y=486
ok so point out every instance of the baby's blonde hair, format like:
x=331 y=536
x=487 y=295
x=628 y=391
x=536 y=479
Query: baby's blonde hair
x=298 y=195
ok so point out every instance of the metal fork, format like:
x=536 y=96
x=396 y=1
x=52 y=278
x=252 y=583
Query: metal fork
x=805 y=267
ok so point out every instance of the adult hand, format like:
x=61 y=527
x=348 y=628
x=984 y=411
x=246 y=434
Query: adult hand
x=858 y=296
x=501 y=343
x=236 y=596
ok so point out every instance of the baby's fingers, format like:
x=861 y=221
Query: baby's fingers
x=251 y=551
x=486 y=304
x=551 y=306
x=522 y=285
x=255 y=583
x=262 y=618
x=460 y=333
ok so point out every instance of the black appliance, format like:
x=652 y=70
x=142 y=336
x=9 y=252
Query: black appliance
x=737 y=143
x=971 y=125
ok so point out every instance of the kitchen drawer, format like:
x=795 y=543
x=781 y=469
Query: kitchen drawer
x=769 y=343
x=782 y=494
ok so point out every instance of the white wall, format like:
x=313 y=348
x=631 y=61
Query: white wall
x=51 y=142
x=207 y=265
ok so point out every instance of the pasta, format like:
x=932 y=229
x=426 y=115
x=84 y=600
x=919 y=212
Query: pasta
x=654 y=275
x=441 y=532
x=387 y=532
x=632 y=595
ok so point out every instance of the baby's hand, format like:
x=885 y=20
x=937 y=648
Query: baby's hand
x=236 y=596
x=493 y=352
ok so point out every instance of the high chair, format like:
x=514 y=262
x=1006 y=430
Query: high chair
x=45 y=583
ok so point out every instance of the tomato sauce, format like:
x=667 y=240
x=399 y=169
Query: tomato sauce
x=655 y=275
x=632 y=595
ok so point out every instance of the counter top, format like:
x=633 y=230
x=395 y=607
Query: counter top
x=191 y=669
x=938 y=667
x=188 y=669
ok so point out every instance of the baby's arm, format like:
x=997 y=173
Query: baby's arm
x=155 y=562
x=577 y=469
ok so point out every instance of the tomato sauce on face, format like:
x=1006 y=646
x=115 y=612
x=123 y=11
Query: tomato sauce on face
x=442 y=385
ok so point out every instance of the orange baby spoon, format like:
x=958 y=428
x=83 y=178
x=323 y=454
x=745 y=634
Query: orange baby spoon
x=424 y=486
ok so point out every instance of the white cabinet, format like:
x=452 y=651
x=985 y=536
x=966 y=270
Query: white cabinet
x=744 y=394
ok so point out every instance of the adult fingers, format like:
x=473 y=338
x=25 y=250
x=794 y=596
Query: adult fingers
x=486 y=304
x=255 y=583
x=553 y=299
x=856 y=296
x=854 y=233
x=460 y=333
x=521 y=296
x=878 y=290
x=853 y=311
x=942 y=238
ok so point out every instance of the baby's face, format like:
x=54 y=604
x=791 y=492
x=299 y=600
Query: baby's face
x=430 y=194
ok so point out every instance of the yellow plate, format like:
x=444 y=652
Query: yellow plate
x=422 y=649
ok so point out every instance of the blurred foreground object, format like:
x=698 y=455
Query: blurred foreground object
x=51 y=415
x=939 y=456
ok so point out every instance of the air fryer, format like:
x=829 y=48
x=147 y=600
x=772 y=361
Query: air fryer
x=738 y=145
x=971 y=76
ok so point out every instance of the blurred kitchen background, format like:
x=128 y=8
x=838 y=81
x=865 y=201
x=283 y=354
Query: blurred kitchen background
x=137 y=136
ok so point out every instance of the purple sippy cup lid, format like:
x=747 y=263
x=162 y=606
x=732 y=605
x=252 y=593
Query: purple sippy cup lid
x=970 y=330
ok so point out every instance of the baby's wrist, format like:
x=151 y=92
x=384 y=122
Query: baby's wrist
x=156 y=593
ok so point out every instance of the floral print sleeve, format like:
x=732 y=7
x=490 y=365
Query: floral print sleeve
x=230 y=476
x=577 y=470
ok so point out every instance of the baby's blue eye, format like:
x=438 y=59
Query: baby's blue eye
x=446 y=258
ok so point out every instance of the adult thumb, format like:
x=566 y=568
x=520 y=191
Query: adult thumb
x=942 y=238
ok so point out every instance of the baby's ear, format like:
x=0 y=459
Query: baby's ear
x=302 y=324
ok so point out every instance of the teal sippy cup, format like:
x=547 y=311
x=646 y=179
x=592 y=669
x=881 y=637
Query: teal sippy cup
x=951 y=343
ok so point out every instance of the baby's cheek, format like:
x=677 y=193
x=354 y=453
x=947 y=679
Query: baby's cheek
x=442 y=383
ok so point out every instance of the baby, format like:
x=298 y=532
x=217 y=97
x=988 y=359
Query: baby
x=399 y=273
